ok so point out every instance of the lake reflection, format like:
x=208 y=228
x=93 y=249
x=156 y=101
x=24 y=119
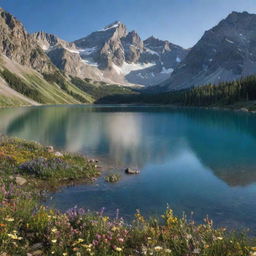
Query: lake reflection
x=194 y=160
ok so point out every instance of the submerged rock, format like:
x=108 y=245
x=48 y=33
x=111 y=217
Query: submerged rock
x=132 y=171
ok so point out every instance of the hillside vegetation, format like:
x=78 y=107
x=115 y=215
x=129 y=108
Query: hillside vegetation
x=237 y=94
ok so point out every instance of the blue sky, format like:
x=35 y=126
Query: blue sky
x=181 y=21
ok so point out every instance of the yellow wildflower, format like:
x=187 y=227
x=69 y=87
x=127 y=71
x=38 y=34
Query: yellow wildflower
x=54 y=230
x=220 y=238
x=54 y=241
x=14 y=236
x=114 y=228
x=253 y=248
x=64 y=254
x=105 y=219
x=9 y=219
x=118 y=249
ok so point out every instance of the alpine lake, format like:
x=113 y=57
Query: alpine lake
x=199 y=162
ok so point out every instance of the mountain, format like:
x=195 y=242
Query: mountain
x=27 y=75
x=18 y=45
x=66 y=57
x=114 y=55
x=224 y=53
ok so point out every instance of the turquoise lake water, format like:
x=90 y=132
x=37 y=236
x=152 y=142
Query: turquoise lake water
x=201 y=161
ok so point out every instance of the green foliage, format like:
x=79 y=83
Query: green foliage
x=224 y=94
x=101 y=89
x=32 y=159
x=58 y=78
x=20 y=86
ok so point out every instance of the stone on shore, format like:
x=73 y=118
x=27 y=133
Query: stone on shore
x=20 y=181
x=50 y=149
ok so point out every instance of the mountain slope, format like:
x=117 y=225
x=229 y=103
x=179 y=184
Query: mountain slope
x=224 y=53
x=25 y=70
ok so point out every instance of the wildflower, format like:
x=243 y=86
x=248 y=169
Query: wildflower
x=2 y=225
x=64 y=254
x=220 y=238
x=54 y=230
x=114 y=229
x=9 y=219
x=54 y=241
x=253 y=254
x=118 y=249
x=158 y=248
x=168 y=250
x=86 y=245
x=189 y=236
x=80 y=240
x=253 y=248
x=14 y=236
x=206 y=246
x=105 y=219
x=121 y=240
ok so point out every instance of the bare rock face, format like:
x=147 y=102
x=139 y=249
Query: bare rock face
x=49 y=41
x=104 y=46
x=133 y=47
x=224 y=53
x=18 y=45
x=114 y=55
x=120 y=53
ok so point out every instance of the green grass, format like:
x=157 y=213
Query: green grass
x=11 y=101
x=55 y=89
x=99 y=90
x=28 y=228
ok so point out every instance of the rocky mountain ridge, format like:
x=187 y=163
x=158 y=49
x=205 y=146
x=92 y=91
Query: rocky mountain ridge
x=225 y=53
x=114 y=55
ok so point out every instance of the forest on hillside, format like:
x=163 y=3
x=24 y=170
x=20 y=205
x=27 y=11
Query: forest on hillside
x=227 y=93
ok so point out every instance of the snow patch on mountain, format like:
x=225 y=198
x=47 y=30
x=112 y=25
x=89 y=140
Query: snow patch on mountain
x=89 y=61
x=127 y=68
x=88 y=51
x=111 y=26
x=178 y=59
x=152 y=52
x=229 y=41
x=166 y=71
